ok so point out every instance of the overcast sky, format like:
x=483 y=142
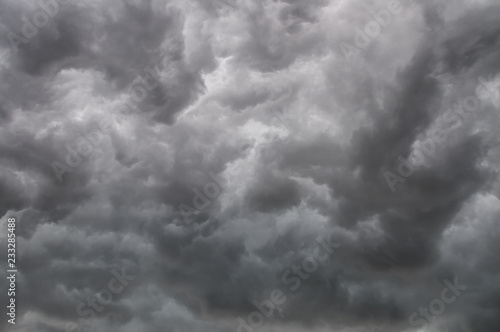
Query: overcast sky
x=209 y=152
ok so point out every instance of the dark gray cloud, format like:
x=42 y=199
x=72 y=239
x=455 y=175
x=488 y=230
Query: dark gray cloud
x=210 y=148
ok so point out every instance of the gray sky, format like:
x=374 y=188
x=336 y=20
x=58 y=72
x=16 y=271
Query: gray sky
x=211 y=148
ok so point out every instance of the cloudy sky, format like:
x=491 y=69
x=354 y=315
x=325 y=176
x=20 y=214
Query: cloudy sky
x=185 y=162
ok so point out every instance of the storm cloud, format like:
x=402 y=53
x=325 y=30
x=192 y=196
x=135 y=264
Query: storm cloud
x=214 y=151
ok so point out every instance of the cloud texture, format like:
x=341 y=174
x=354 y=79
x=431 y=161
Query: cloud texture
x=208 y=146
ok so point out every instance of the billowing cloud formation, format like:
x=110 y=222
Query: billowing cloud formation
x=240 y=165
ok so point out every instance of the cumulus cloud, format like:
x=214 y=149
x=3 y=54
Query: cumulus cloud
x=214 y=150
